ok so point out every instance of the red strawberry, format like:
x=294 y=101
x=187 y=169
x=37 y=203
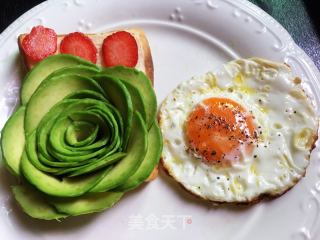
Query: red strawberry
x=120 y=48
x=79 y=45
x=39 y=43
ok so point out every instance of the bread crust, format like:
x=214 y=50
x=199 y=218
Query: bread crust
x=154 y=174
x=148 y=63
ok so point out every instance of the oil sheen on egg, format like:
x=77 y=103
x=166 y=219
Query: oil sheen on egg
x=244 y=132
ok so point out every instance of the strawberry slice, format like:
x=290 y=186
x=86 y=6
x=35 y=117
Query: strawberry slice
x=120 y=48
x=39 y=43
x=79 y=45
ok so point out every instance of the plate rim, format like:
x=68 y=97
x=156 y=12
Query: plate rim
x=295 y=49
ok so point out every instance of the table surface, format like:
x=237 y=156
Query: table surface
x=299 y=17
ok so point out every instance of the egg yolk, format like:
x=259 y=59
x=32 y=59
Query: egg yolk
x=220 y=130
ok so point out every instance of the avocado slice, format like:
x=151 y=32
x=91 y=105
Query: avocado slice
x=43 y=134
x=60 y=187
x=13 y=140
x=82 y=70
x=71 y=112
x=96 y=165
x=88 y=203
x=79 y=134
x=137 y=100
x=142 y=84
x=54 y=90
x=137 y=148
x=119 y=96
x=110 y=138
x=51 y=139
x=35 y=204
x=150 y=160
x=44 y=68
x=81 y=94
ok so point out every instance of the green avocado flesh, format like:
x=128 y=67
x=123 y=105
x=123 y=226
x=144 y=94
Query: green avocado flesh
x=150 y=160
x=13 y=140
x=137 y=147
x=142 y=84
x=88 y=203
x=35 y=204
x=83 y=136
x=46 y=67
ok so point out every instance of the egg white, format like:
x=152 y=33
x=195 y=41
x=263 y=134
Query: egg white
x=285 y=116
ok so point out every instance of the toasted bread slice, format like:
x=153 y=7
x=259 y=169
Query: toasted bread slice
x=144 y=63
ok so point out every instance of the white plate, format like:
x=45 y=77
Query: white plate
x=187 y=37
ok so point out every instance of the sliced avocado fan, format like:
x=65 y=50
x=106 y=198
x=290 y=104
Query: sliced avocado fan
x=82 y=137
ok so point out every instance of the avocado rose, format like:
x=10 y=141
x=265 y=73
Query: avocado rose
x=82 y=137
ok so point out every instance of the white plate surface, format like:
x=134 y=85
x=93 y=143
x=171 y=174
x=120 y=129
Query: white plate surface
x=187 y=38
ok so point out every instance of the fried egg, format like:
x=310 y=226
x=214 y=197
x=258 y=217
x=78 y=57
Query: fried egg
x=243 y=132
